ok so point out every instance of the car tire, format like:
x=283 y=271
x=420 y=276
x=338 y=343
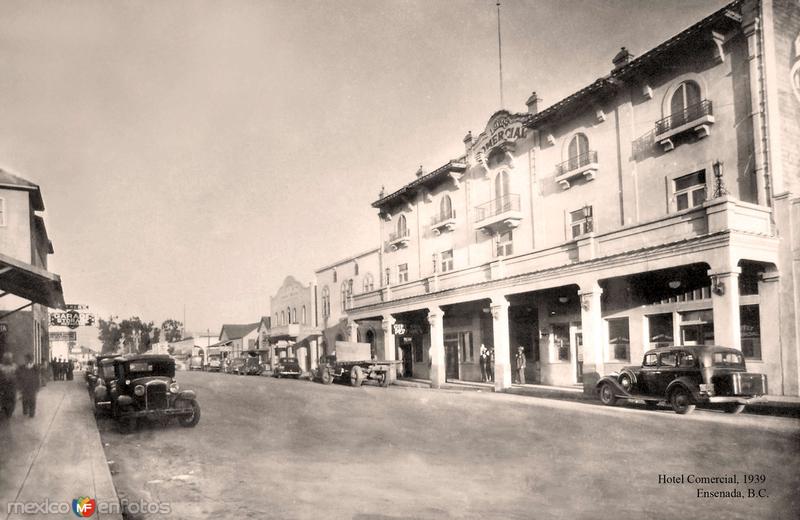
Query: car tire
x=327 y=376
x=607 y=396
x=384 y=380
x=356 y=376
x=733 y=408
x=681 y=401
x=192 y=420
x=126 y=425
x=626 y=382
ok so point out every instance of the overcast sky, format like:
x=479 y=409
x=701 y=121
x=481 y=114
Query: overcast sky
x=196 y=153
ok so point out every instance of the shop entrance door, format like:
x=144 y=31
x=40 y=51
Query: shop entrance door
x=451 y=358
x=408 y=361
x=579 y=357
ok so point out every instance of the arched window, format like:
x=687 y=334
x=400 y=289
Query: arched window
x=446 y=208
x=303 y=314
x=334 y=275
x=283 y=318
x=294 y=314
x=326 y=301
x=288 y=315
x=502 y=191
x=369 y=282
x=347 y=293
x=355 y=268
x=402 y=226
x=578 y=151
x=685 y=99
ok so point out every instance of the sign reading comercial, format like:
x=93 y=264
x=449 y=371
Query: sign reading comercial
x=502 y=128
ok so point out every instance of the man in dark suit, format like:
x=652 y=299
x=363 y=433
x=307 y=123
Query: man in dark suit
x=28 y=381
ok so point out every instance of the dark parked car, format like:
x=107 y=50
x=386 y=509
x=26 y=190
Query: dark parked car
x=287 y=366
x=99 y=383
x=144 y=387
x=253 y=366
x=237 y=366
x=685 y=376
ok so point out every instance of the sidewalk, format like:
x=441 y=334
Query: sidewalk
x=55 y=457
x=771 y=405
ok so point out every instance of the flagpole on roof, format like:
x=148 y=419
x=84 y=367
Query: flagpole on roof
x=500 y=55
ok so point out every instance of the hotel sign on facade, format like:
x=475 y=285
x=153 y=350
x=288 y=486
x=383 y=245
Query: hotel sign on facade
x=502 y=128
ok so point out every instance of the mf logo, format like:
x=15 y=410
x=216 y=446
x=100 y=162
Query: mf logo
x=84 y=507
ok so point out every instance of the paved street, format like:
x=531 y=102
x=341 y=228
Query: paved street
x=268 y=448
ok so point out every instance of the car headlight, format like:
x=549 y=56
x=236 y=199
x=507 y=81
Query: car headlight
x=174 y=388
x=139 y=390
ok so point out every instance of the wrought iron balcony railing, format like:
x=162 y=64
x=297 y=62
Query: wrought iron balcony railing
x=399 y=235
x=573 y=163
x=687 y=115
x=442 y=217
x=498 y=206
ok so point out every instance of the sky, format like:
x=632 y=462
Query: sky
x=192 y=154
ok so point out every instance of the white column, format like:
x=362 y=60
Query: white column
x=502 y=363
x=436 y=322
x=389 y=346
x=725 y=307
x=592 y=329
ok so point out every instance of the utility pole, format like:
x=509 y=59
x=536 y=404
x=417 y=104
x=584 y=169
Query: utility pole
x=500 y=55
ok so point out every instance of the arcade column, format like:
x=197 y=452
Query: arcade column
x=436 y=322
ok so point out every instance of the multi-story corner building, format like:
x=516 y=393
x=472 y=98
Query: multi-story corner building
x=27 y=288
x=337 y=285
x=656 y=206
x=293 y=330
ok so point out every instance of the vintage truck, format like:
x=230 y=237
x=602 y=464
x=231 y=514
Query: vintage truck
x=353 y=362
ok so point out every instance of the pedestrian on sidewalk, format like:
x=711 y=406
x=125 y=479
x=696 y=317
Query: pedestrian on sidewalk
x=70 y=369
x=520 y=363
x=484 y=362
x=28 y=381
x=490 y=365
x=8 y=385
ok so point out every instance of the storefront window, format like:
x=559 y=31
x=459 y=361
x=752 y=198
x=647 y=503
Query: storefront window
x=619 y=339
x=465 y=345
x=661 y=330
x=697 y=327
x=750 y=324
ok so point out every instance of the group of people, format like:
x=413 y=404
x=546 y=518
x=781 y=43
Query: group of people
x=23 y=378
x=62 y=369
x=487 y=365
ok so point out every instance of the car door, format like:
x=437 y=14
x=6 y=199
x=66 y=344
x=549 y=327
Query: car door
x=667 y=371
x=647 y=375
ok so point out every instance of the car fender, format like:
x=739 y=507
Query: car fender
x=124 y=400
x=100 y=393
x=614 y=382
x=187 y=394
x=608 y=377
x=629 y=373
x=687 y=384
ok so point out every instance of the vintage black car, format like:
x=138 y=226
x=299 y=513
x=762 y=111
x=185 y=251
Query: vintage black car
x=144 y=387
x=685 y=376
x=287 y=366
x=237 y=366
x=253 y=366
x=99 y=383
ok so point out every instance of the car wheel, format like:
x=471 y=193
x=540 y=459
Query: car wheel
x=356 y=376
x=127 y=425
x=383 y=379
x=733 y=408
x=626 y=382
x=327 y=376
x=188 y=421
x=681 y=401
x=607 y=394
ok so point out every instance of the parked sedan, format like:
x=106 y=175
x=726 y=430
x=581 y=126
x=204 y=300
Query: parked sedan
x=238 y=366
x=287 y=366
x=685 y=376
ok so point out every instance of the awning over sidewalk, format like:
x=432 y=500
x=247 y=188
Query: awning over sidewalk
x=30 y=282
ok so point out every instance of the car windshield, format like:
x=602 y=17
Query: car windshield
x=108 y=371
x=144 y=368
x=727 y=359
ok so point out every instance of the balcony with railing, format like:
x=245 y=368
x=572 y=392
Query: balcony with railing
x=696 y=118
x=502 y=212
x=398 y=239
x=584 y=165
x=443 y=222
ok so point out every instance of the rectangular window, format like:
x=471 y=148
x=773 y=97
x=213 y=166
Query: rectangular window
x=750 y=324
x=505 y=243
x=561 y=341
x=661 y=334
x=581 y=221
x=388 y=276
x=690 y=190
x=402 y=273
x=619 y=339
x=447 y=261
